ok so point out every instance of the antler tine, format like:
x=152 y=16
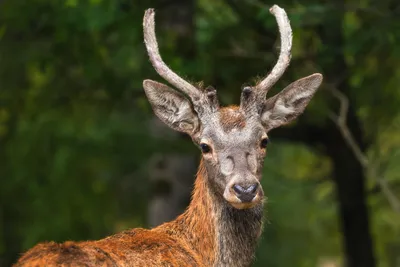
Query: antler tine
x=285 y=30
x=159 y=65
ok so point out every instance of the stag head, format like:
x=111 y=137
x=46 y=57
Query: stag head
x=233 y=140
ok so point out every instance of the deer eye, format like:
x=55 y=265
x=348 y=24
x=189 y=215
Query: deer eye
x=264 y=142
x=205 y=148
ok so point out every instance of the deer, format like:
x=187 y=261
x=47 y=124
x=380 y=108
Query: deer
x=224 y=219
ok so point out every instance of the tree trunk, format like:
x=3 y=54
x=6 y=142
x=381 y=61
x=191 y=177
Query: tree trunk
x=350 y=189
x=349 y=180
x=348 y=173
x=171 y=177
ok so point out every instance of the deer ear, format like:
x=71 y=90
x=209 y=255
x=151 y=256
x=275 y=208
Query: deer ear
x=285 y=106
x=172 y=107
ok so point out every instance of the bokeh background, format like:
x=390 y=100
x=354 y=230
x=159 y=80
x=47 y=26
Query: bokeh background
x=82 y=156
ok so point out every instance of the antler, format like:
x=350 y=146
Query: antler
x=285 y=30
x=159 y=65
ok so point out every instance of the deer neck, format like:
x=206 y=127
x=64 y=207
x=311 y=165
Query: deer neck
x=219 y=233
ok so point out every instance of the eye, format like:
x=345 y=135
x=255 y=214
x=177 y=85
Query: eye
x=205 y=148
x=264 y=142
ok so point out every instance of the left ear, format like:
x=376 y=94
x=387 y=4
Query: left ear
x=171 y=107
x=285 y=106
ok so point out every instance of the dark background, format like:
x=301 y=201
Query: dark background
x=83 y=157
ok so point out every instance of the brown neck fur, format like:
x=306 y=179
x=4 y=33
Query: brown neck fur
x=197 y=224
x=220 y=234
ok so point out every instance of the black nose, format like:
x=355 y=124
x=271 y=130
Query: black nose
x=245 y=193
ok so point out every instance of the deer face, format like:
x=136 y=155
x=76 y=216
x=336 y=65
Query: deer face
x=233 y=139
x=233 y=147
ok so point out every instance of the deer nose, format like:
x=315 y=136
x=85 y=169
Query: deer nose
x=245 y=193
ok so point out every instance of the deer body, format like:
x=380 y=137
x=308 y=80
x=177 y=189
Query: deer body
x=208 y=233
x=224 y=219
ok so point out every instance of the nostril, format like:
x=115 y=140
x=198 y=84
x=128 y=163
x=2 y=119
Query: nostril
x=246 y=193
x=238 y=189
x=252 y=189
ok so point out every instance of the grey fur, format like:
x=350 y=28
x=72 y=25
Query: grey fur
x=171 y=107
x=290 y=102
x=237 y=234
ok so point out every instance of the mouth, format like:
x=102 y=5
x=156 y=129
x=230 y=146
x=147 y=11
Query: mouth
x=235 y=202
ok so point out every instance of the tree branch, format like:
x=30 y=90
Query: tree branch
x=341 y=122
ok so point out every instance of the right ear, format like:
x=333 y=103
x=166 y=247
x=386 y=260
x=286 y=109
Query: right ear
x=172 y=107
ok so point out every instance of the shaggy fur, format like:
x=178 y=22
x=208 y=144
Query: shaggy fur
x=208 y=233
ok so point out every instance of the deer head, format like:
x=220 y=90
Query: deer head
x=233 y=140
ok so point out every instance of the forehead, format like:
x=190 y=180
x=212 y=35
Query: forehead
x=231 y=118
x=231 y=126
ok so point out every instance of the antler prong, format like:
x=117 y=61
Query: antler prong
x=159 y=65
x=285 y=30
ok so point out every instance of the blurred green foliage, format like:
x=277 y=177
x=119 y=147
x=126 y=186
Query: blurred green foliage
x=74 y=136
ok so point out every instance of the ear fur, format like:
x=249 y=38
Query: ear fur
x=287 y=105
x=172 y=107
